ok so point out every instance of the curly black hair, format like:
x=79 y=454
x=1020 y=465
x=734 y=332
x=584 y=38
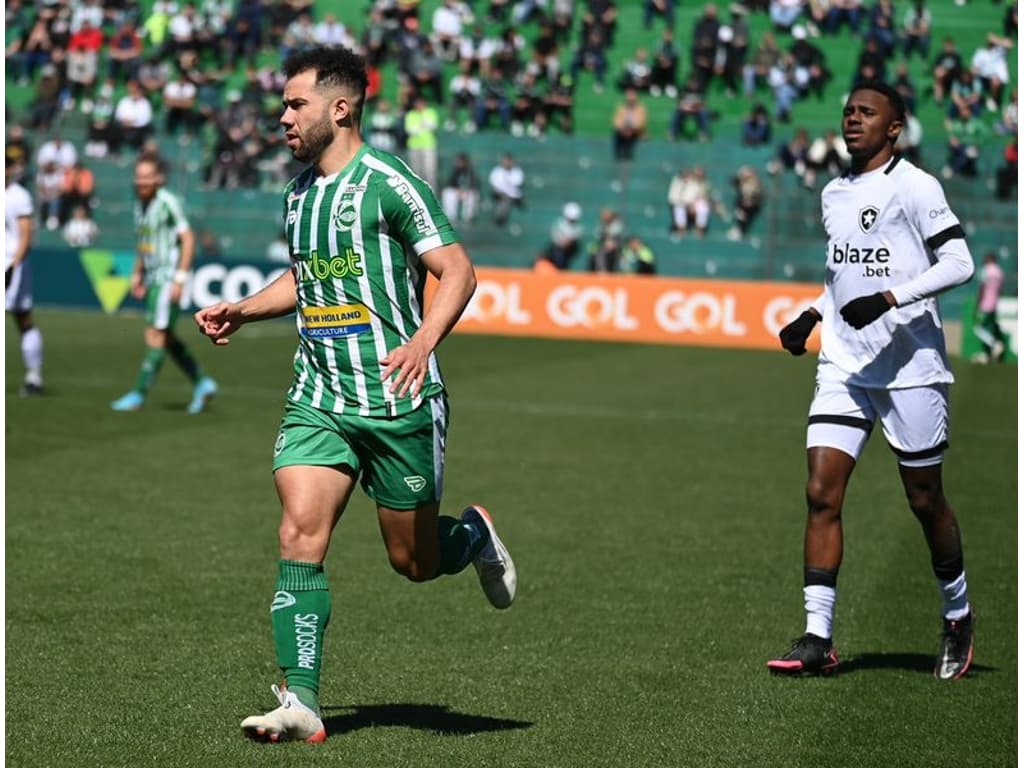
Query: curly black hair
x=335 y=66
x=893 y=96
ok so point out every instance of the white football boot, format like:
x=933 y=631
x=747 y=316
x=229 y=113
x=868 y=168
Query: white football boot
x=292 y=721
x=493 y=565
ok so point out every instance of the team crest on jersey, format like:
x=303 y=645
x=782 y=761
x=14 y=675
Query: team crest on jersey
x=344 y=216
x=868 y=217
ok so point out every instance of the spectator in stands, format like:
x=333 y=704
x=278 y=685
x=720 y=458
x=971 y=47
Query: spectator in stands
x=827 y=154
x=80 y=231
x=330 y=31
x=636 y=72
x=16 y=26
x=77 y=189
x=637 y=257
x=463 y=92
x=945 y=70
x=908 y=145
x=506 y=56
x=785 y=84
x=562 y=12
x=601 y=16
x=506 y=181
x=57 y=151
x=606 y=248
x=546 y=61
x=46 y=102
x=689 y=200
x=446 y=27
x=664 y=9
x=792 y=156
x=904 y=86
x=460 y=195
x=49 y=179
x=733 y=48
x=881 y=27
x=421 y=124
x=704 y=47
x=179 y=106
x=629 y=125
x=1006 y=175
x=756 y=129
x=426 y=70
x=298 y=36
x=591 y=56
x=917 y=30
x=384 y=129
x=493 y=100
x=244 y=33
x=565 y=234
x=83 y=55
x=812 y=72
x=558 y=102
x=477 y=49
x=747 y=205
x=181 y=31
x=133 y=118
x=843 y=12
x=17 y=150
x=98 y=137
x=124 y=53
x=989 y=63
x=756 y=72
x=664 y=77
x=784 y=13
x=38 y=44
x=870 y=65
x=154 y=74
x=965 y=133
x=527 y=107
x=967 y=91
x=690 y=107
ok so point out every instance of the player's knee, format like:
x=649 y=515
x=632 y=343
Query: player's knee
x=925 y=500
x=299 y=542
x=822 y=499
x=411 y=564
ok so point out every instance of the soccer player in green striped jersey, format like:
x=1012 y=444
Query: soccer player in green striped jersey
x=367 y=403
x=166 y=247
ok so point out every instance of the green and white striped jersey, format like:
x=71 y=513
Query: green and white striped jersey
x=356 y=238
x=158 y=225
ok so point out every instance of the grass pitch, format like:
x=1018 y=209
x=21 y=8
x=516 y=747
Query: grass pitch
x=652 y=498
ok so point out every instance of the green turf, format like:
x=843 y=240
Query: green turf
x=652 y=497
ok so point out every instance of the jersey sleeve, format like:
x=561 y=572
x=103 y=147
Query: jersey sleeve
x=929 y=212
x=18 y=202
x=177 y=213
x=412 y=213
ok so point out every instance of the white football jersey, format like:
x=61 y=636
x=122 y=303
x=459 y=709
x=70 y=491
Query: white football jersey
x=883 y=228
x=17 y=203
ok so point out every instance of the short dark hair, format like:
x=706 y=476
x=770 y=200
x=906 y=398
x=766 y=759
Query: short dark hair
x=335 y=66
x=893 y=96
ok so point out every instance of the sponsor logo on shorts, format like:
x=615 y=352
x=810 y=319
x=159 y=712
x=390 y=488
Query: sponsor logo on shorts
x=278 y=447
x=282 y=599
x=415 y=483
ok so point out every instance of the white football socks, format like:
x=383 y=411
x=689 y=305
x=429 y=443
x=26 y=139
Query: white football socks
x=820 y=603
x=954 y=597
x=32 y=354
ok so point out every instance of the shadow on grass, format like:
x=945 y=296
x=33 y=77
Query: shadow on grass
x=912 y=662
x=424 y=717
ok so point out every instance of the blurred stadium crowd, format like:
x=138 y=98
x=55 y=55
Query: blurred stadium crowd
x=143 y=75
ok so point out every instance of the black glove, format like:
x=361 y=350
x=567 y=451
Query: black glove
x=865 y=310
x=7 y=277
x=794 y=336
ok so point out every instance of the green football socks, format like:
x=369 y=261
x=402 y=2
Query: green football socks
x=149 y=369
x=299 y=615
x=181 y=355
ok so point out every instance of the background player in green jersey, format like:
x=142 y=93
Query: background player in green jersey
x=367 y=402
x=166 y=247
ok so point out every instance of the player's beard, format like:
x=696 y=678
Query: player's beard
x=317 y=139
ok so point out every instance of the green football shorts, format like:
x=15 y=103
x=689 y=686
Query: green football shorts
x=161 y=312
x=400 y=460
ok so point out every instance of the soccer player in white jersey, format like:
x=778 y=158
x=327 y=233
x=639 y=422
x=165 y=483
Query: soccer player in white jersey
x=166 y=247
x=18 y=275
x=367 y=402
x=893 y=245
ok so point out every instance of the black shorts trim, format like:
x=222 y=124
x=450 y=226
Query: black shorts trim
x=956 y=232
x=928 y=453
x=846 y=421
